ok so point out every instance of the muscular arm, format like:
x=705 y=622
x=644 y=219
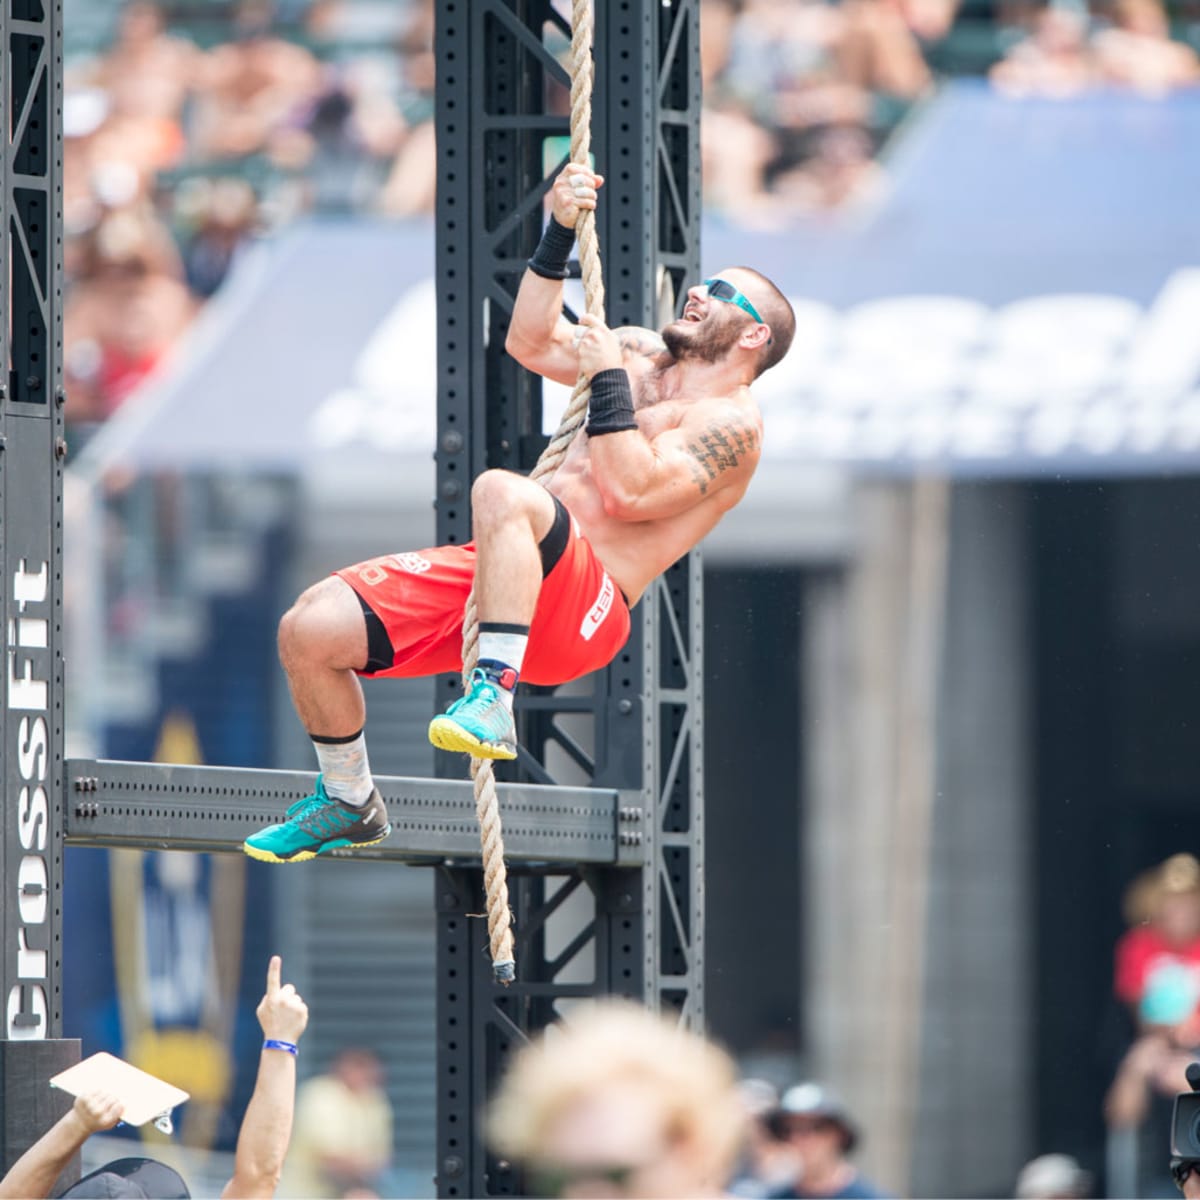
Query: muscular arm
x=540 y=338
x=714 y=451
x=266 y=1129
x=267 y=1126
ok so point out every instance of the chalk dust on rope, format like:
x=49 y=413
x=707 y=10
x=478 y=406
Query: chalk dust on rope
x=487 y=808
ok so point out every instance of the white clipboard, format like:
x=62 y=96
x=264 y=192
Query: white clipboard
x=145 y=1097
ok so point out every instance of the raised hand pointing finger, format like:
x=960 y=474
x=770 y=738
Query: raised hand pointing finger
x=282 y=1012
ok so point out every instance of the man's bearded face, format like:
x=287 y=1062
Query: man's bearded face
x=704 y=336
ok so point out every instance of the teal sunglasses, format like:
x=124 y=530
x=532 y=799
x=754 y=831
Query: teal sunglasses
x=719 y=289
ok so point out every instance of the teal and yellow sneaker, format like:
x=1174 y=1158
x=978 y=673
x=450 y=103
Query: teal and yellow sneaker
x=318 y=824
x=478 y=724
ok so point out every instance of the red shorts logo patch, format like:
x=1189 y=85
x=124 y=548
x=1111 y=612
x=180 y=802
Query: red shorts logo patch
x=598 y=611
x=415 y=564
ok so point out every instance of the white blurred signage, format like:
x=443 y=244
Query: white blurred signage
x=944 y=378
x=907 y=379
x=391 y=402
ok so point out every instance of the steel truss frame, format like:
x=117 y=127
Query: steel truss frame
x=586 y=930
x=170 y=807
x=607 y=880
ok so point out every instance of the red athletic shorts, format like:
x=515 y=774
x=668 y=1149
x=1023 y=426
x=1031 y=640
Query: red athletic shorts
x=413 y=604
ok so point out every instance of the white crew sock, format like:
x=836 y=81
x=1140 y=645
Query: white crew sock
x=507 y=648
x=502 y=647
x=344 y=766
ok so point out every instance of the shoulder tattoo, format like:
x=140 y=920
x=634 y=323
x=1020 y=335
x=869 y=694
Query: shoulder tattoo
x=722 y=446
x=642 y=341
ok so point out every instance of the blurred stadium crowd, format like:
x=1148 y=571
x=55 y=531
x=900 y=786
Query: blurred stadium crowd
x=194 y=125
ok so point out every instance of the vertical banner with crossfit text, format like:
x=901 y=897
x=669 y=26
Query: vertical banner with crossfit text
x=32 y=452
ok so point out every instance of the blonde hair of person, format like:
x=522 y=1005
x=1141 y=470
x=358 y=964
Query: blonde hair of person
x=614 y=1042
x=1173 y=876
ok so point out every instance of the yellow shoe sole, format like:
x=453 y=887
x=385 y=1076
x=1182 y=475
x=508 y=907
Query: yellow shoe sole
x=304 y=855
x=446 y=735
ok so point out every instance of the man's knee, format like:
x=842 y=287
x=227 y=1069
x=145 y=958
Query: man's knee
x=498 y=497
x=324 y=627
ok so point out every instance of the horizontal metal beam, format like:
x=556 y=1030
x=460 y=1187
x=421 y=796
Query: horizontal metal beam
x=165 y=806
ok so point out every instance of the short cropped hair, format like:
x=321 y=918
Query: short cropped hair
x=777 y=312
x=616 y=1042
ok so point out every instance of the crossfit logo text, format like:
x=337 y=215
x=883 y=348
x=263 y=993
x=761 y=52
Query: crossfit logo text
x=28 y=697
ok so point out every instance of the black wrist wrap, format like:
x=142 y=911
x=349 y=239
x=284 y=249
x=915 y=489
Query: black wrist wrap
x=610 y=409
x=550 y=258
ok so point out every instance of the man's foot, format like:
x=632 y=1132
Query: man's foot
x=479 y=724
x=318 y=824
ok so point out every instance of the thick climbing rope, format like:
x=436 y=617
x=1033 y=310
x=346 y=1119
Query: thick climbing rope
x=487 y=807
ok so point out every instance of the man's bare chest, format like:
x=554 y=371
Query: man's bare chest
x=653 y=411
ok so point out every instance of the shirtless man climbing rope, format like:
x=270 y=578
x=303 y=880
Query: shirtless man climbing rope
x=671 y=441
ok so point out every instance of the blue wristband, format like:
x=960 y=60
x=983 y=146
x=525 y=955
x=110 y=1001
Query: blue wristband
x=276 y=1044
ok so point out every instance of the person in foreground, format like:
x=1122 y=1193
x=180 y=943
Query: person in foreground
x=671 y=441
x=262 y=1140
x=620 y=1102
